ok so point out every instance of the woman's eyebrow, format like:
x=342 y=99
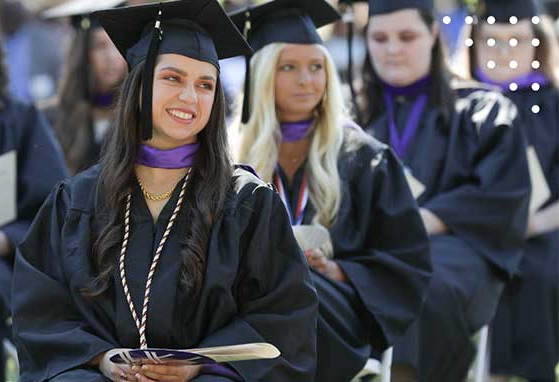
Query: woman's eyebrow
x=184 y=74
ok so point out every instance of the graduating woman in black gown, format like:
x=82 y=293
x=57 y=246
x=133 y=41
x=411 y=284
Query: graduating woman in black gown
x=465 y=159
x=525 y=332
x=164 y=244
x=39 y=165
x=372 y=273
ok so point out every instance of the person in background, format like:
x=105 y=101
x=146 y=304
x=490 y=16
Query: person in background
x=372 y=267
x=36 y=167
x=80 y=114
x=525 y=332
x=33 y=53
x=164 y=244
x=465 y=158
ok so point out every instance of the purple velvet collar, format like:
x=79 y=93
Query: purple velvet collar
x=179 y=157
x=418 y=87
x=295 y=131
x=523 y=82
x=103 y=100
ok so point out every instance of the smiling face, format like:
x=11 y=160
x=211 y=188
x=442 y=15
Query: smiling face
x=300 y=82
x=183 y=95
x=508 y=46
x=400 y=46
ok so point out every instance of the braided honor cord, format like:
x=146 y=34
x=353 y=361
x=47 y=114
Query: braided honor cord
x=141 y=324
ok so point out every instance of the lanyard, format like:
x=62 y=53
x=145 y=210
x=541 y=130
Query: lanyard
x=302 y=199
x=399 y=143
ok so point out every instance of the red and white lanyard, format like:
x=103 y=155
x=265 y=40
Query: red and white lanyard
x=302 y=199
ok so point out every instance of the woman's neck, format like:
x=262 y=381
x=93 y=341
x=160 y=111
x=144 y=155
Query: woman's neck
x=161 y=143
x=292 y=155
x=421 y=85
x=286 y=117
x=159 y=180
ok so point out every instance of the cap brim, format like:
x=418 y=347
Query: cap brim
x=80 y=7
x=320 y=11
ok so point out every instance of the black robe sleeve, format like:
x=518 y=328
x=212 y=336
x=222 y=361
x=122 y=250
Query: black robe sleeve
x=51 y=334
x=381 y=244
x=489 y=208
x=275 y=296
x=40 y=164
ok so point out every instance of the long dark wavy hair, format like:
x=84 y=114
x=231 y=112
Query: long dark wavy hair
x=74 y=123
x=209 y=183
x=441 y=94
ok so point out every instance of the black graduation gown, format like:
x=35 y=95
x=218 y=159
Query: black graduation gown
x=380 y=243
x=40 y=166
x=257 y=287
x=525 y=336
x=476 y=180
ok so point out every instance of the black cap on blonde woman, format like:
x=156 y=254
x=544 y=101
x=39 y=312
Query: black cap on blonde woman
x=281 y=21
x=199 y=29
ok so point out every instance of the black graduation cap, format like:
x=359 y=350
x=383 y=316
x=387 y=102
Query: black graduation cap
x=199 y=29
x=503 y=10
x=377 y=7
x=80 y=12
x=283 y=21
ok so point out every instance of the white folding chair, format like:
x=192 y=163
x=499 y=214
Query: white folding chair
x=481 y=365
x=386 y=365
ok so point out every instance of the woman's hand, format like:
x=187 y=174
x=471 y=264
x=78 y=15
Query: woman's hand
x=5 y=245
x=544 y=221
x=163 y=373
x=433 y=224
x=116 y=372
x=320 y=263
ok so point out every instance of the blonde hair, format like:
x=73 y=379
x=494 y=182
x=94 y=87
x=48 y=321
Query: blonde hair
x=260 y=138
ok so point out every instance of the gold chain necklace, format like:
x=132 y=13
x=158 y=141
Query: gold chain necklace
x=154 y=197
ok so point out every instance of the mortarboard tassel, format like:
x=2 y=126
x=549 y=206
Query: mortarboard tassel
x=147 y=85
x=246 y=97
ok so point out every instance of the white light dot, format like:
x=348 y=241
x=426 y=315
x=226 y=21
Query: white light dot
x=513 y=42
x=513 y=86
x=535 y=64
x=469 y=42
x=469 y=20
x=491 y=20
x=536 y=42
x=491 y=64
x=535 y=20
x=513 y=64
x=447 y=20
x=535 y=109
x=535 y=86
x=513 y=20
x=491 y=42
